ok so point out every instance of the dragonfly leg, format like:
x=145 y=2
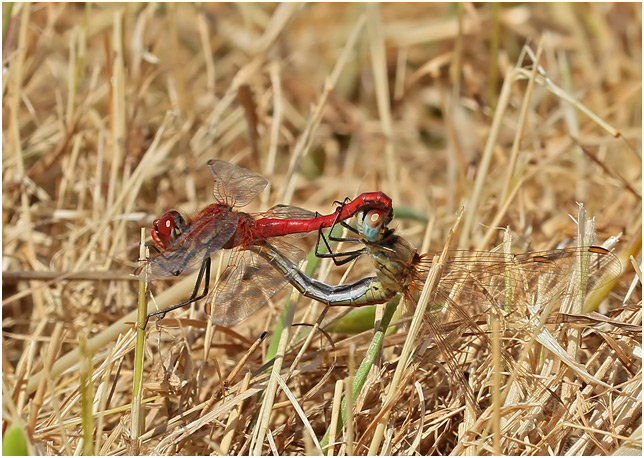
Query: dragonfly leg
x=342 y=223
x=205 y=269
x=341 y=204
x=350 y=256
x=346 y=226
x=344 y=239
x=339 y=258
x=342 y=257
x=336 y=238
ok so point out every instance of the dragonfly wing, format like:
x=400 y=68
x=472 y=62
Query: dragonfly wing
x=445 y=342
x=247 y=284
x=234 y=185
x=284 y=212
x=287 y=212
x=529 y=278
x=244 y=287
x=201 y=240
x=473 y=282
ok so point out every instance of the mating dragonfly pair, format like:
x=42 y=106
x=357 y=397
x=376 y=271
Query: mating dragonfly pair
x=262 y=263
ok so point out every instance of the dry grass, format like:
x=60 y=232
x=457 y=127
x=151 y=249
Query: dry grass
x=110 y=115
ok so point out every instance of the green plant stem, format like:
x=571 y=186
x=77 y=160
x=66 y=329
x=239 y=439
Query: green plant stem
x=363 y=371
x=137 y=384
x=6 y=19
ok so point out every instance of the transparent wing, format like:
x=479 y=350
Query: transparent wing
x=472 y=282
x=202 y=238
x=286 y=212
x=530 y=278
x=234 y=185
x=247 y=284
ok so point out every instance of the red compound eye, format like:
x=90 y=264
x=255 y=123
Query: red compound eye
x=167 y=229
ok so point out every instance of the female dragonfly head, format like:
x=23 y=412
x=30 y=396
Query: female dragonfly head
x=373 y=224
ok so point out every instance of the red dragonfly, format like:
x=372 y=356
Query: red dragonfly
x=249 y=280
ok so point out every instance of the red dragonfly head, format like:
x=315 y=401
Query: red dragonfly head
x=167 y=229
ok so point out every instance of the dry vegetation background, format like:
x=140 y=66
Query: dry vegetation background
x=110 y=113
